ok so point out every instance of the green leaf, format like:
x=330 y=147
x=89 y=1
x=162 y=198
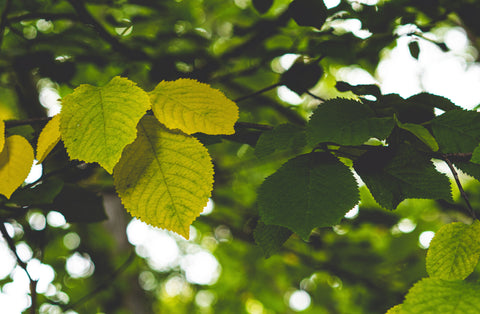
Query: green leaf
x=360 y=90
x=262 y=6
x=96 y=123
x=78 y=204
x=302 y=76
x=393 y=176
x=469 y=168
x=43 y=193
x=309 y=12
x=165 y=177
x=420 y=132
x=346 y=122
x=270 y=237
x=434 y=296
x=395 y=310
x=476 y=155
x=457 y=131
x=433 y=101
x=281 y=138
x=308 y=191
x=454 y=251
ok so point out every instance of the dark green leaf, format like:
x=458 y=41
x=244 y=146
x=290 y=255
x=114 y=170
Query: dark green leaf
x=421 y=133
x=270 y=237
x=79 y=205
x=469 y=168
x=457 y=131
x=431 y=100
x=43 y=193
x=281 y=138
x=360 y=90
x=393 y=176
x=302 y=76
x=309 y=12
x=262 y=6
x=414 y=49
x=476 y=155
x=434 y=296
x=346 y=122
x=308 y=191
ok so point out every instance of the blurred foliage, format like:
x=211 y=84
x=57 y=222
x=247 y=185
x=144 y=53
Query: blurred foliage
x=364 y=265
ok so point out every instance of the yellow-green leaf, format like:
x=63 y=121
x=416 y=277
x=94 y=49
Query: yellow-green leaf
x=16 y=161
x=164 y=177
x=2 y=134
x=193 y=107
x=454 y=251
x=420 y=132
x=96 y=123
x=48 y=138
x=397 y=309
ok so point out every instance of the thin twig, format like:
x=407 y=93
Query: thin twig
x=105 y=284
x=462 y=192
x=263 y=90
x=256 y=126
x=22 y=264
x=315 y=96
x=13 y=123
x=3 y=19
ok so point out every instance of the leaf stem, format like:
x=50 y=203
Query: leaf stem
x=263 y=90
x=460 y=188
x=22 y=264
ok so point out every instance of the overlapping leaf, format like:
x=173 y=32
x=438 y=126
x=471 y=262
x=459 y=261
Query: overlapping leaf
x=457 y=131
x=193 y=107
x=454 y=251
x=164 y=177
x=270 y=237
x=16 y=160
x=308 y=191
x=281 y=138
x=434 y=296
x=393 y=176
x=48 y=138
x=98 y=122
x=346 y=122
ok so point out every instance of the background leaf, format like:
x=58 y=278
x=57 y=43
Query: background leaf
x=393 y=176
x=193 y=107
x=270 y=237
x=454 y=251
x=43 y=193
x=165 y=177
x=98 y=122
x=433 y=296
x=78 y=204
x=308 y=191
x=346 y=122
x=48 y=138
x=16 y=160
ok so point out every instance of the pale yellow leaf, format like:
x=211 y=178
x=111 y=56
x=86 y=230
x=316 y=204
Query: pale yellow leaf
x=48 y=138
x=193 y=107
x=164 y=177
x=96 y=123
x=16 y=160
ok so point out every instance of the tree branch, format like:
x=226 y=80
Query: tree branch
x=22 y=264
x=462 y=192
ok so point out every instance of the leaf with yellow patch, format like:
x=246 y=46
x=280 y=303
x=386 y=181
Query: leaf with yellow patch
x=2 y=134
x=97 y=123
x=164 y=177
x=48 y=138
x=16 y=161
x=193 y=107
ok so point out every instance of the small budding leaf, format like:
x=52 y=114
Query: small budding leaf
x=193 y=107
x=48 y=138
x=96 y=123
x=454 y=251
x=308 y=191
x=434 y=296
x=164 y=177
x=16 y=160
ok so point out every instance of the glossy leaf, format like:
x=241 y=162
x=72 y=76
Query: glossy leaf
x=98 y=122
x=308 y=191
x=346 y=122
x=16 y=160
x=48 y=138
x=193 y=107
x=454 y=251
x=393 y=176
x=433 y=296
x=165 y=177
